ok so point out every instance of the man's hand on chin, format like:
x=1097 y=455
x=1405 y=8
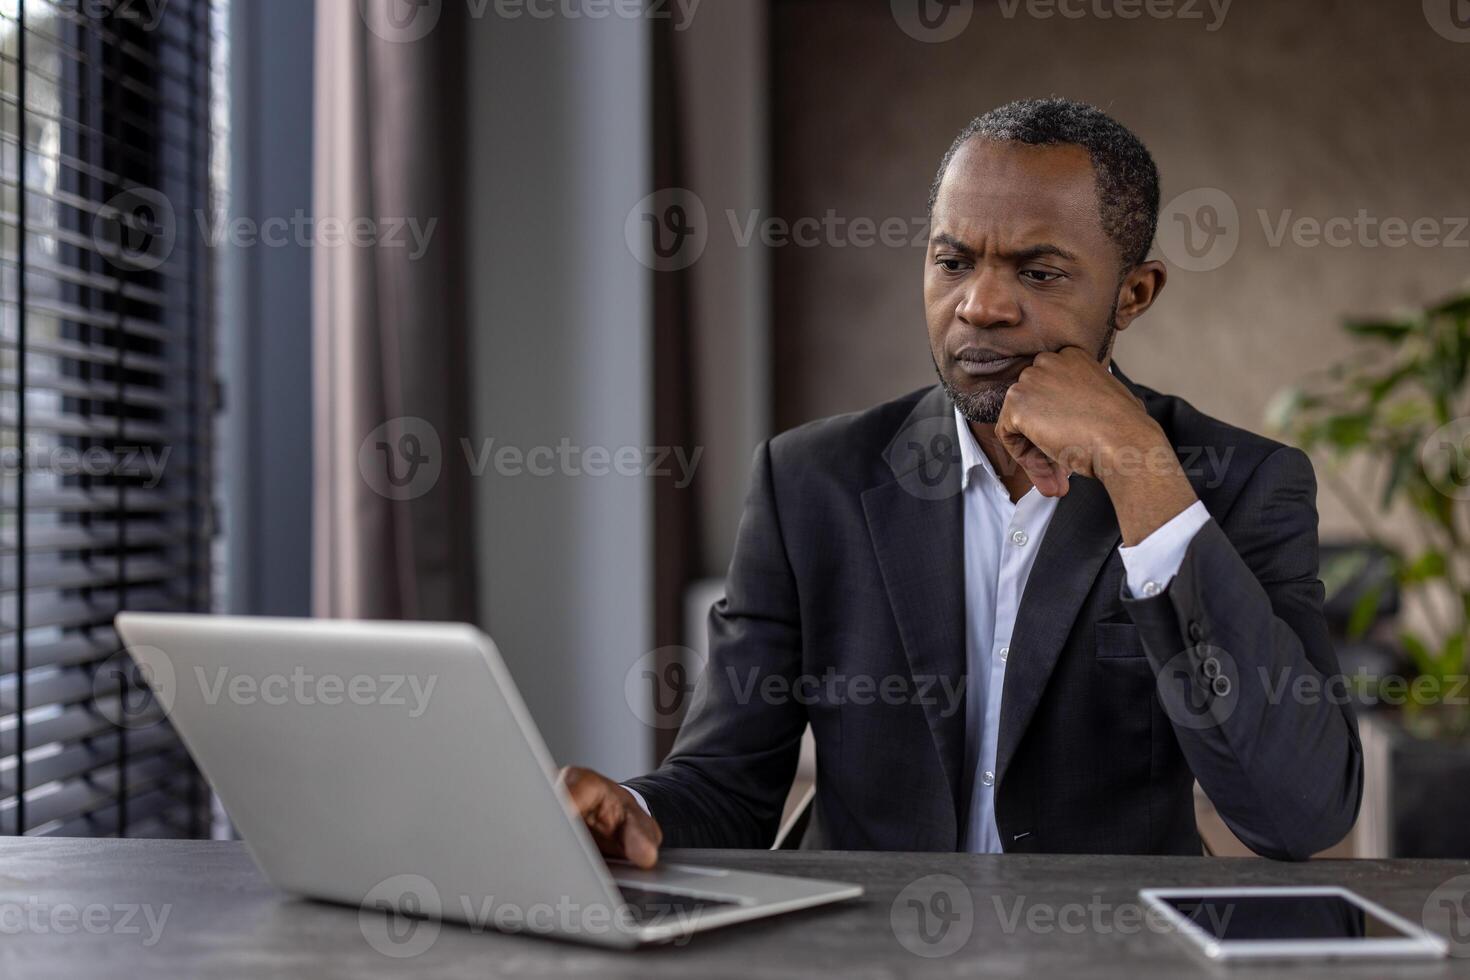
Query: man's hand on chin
x=1068 y=414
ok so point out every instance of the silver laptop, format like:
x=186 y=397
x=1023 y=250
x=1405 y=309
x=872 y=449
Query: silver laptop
x=394 y=766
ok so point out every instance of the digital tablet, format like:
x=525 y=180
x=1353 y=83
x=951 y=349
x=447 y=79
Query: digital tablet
x=1229 y=924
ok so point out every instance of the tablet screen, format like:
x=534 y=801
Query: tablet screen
x=1244 y=918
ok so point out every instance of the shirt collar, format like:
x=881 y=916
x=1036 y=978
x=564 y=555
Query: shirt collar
x=971 y=455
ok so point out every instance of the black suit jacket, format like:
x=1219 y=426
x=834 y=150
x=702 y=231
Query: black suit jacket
x=844 y=608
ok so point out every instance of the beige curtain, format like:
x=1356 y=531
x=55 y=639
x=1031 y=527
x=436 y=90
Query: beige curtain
x=393 y=536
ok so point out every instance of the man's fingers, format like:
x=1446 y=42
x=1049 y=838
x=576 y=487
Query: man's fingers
x=618 y=823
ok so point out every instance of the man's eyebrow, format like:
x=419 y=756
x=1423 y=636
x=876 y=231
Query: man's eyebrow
x=1040 y=250
x=946 y=240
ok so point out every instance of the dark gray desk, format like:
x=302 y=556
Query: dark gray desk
x=1033 y=916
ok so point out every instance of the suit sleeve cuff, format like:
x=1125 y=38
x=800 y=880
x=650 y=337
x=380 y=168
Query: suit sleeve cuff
x=639 y=797
x=1152 y=563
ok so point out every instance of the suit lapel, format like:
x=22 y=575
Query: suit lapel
x=1082 y=534
x=917 y=528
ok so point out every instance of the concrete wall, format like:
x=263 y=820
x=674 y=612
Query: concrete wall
x=561 y=315
x=1298 y=109
x=265 y=316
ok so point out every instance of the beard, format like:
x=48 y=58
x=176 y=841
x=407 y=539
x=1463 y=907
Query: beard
x=982 y=404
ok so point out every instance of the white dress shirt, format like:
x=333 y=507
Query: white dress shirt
x=1001 y=542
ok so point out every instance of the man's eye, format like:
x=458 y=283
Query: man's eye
x=1041 y=275
x=950 y=265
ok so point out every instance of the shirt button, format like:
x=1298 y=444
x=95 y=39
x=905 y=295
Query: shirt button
x=988 y=778
x=1004 y=653
x=1150 y=589
x=1018 y=538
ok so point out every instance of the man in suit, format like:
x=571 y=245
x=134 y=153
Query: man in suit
x=1025 y=609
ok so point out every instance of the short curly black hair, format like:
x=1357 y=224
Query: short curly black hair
x=1127 y=179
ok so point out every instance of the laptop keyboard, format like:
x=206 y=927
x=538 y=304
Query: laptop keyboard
x=653 y=906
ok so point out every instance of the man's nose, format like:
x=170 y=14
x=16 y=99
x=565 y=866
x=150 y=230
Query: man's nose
x=990 y=301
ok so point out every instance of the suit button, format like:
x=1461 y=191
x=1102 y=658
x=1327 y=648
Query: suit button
x=1220 y=685
x=1210 y=668
x=1196 y=632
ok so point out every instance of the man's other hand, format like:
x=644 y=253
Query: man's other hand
x=617 y=822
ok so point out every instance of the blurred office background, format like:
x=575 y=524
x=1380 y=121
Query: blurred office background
x=476 y=311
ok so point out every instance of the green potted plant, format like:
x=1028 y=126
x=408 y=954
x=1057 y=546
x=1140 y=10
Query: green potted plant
x=1397 y=414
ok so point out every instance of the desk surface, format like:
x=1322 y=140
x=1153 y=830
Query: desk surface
x=195 y=909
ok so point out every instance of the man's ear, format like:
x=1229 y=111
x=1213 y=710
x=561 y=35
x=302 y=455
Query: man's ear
x=1140 y=287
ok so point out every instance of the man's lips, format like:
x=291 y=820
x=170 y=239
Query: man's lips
x=992 y=367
